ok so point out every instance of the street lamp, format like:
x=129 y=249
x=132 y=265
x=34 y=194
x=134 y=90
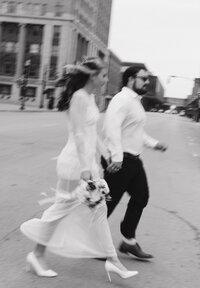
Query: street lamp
x=22 y=83
x=44 y=83
x=181 y=77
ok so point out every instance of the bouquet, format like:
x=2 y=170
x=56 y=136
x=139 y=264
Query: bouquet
x=93 y=192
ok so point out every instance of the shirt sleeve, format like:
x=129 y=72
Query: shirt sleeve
x=101 y=148
x=78 y=114
x=115 y=116
x=149 y=141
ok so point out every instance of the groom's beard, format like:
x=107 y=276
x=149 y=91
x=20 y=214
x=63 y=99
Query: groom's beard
x=140 y=91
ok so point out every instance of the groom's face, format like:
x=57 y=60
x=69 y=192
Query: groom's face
x=141 y=82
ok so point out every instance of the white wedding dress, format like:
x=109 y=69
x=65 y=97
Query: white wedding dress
x=68 y=227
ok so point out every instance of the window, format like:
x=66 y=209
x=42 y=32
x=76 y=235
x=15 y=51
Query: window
x=19 y=8
x=11 y=7
x=58 y=10
x=34 y=49
x=29 y=6
x=37 y=9
x=54 y=50
x=53 y=67
x=31 y=92
x=9 y=47
x=8 y=69
x=34 y=68
x=82 y=48
x=44 y=9
x=34 y=71
x=8 y=66
x=4 y=8
x=5 y=89
x=56 y=36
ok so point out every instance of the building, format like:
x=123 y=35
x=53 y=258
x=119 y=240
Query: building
x=155 y=91
x=193 y=102
x=48 y=34
x=114 y=79
x=114 y=74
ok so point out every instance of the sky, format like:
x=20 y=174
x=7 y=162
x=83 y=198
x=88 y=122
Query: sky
x=163 y=34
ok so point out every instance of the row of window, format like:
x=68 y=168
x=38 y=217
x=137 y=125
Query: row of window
x=6 y=90
x=9 y=64
x=37 y=9
x=33 y=52
x=13 y=47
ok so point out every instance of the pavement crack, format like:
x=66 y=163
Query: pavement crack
x=7 y=236
x=195 y=230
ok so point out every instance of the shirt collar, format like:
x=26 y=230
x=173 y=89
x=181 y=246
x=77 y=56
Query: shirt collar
x=132 y=93
x=129 y=91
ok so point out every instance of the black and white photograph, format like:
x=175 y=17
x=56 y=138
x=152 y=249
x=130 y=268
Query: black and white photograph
x=99 y=143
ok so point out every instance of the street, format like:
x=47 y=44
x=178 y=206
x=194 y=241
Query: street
x=170 y=226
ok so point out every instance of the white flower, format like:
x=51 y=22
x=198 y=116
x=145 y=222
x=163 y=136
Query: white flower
x=92 y=192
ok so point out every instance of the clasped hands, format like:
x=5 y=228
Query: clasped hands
x=114 y=167
x=161 y=147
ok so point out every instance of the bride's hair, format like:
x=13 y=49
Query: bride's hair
x=75 y=78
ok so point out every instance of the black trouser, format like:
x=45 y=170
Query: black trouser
x=130 y=178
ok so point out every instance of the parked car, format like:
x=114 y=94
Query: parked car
x=182 y=113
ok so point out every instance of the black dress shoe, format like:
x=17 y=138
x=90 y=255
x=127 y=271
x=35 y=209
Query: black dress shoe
x=135 y=250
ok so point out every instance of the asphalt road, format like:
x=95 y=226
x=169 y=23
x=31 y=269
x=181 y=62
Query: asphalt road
x=170 y=226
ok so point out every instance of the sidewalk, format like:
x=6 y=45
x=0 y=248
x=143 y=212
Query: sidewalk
x=12 y=107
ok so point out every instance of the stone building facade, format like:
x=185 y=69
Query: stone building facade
x=45 y=35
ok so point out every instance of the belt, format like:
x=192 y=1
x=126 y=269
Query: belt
x=129 y=155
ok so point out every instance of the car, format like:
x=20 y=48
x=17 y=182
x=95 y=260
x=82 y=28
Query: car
x=160 y=110
x=182 y=113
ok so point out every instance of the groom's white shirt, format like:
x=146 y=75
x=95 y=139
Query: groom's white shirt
x=124 y=126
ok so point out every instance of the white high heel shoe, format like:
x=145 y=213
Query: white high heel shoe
x=110 y=267
x=33 y=264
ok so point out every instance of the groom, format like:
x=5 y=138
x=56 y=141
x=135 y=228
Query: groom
x=124 y=171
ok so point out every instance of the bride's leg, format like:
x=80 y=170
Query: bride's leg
x=63 y=186
x=39 y=251
x=104 y=236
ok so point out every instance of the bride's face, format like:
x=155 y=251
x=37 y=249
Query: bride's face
x=100 y=79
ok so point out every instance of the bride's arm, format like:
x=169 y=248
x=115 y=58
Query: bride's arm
x=101 y=149
x=78 y=112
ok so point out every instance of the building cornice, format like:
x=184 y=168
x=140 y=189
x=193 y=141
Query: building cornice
x=42 y=19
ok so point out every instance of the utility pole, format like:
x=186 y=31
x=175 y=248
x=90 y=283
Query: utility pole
x=44 y=83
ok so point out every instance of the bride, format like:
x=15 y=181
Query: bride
x=69 y=227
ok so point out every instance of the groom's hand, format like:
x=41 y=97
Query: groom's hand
x=114 y=167
x=161 y=147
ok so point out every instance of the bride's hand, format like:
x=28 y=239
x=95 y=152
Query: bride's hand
x=86 y=175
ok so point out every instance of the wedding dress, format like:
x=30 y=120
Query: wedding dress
x=68 y=227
